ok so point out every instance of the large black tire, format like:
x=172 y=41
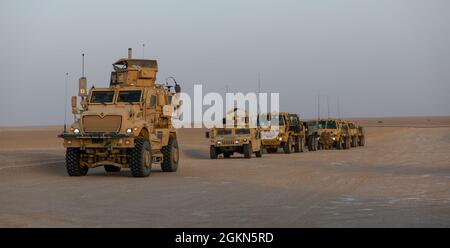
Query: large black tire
x=247 y=150
x=339 y=144
x=212 y=152
x=297 y=146
x=73 y=165
x=354 y=141
x=226 y=155
x=287 y=147
x=302 y=145
x=258 y=154
x=362 y=141
x=170 y=156
x=271 y=150
x=111 y=168
x=140 y=158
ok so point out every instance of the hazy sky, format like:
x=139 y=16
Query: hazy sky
x=381 y=57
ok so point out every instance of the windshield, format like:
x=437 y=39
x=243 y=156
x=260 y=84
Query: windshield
x=274 y=121
x=129 y=96
x=242 y=131
x=223 y=131
x=330 y=124
x=102 y=97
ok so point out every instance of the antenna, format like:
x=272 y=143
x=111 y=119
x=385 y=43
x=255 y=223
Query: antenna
x=82 y=64
x=65 y=102
x=143 y=50
x=339 y=109
x=318 y=107
x=259 y=91
x=328 y=107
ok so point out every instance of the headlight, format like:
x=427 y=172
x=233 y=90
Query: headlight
x=333 y=138
x=76 y=131
x=129 y=131
x=279 y=138
x=219 y=142
x=245 y=139
x=236 y=141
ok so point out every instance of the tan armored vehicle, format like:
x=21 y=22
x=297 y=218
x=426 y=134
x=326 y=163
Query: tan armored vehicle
x=235 y=138
x=361 y=136
x=333 y=133
x=282 y=130
x=125 y=125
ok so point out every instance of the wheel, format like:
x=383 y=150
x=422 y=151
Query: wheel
x=339 y=144
x=297 y=146
x=346 y=143
x=111 y=168
x=227 y=155
x=73 y=166
x=212 y=152
x=312 y=146
x=170 y=156
x=247 y=150
x=362 y=141
x=258 y=154
x=140 y=158
x=354 y=143
x=287 y=148
x=302 y=145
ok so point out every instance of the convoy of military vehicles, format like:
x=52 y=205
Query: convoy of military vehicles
x=129 y=125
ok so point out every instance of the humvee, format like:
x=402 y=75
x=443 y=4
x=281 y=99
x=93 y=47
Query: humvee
x=333 y=133
x=290 y=134
x=311 y=131
x=233 y=138
x=125 y=125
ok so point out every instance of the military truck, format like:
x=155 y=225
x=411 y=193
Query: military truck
x=236 y=136
x=282 y=130
x=333 y=133
x=311 y=130
x=125 y=125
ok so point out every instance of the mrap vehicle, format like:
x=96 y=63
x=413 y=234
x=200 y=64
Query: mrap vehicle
x=125 y=125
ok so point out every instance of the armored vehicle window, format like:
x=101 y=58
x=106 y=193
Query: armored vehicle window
x=294 y=119
x=277 y=120
x=242 y=131
x=152 y=101
x=129 y=96
x=223 y=131
x=327 y=124
x=102 y=97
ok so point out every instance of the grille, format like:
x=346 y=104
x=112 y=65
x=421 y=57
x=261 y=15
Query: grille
x=227 y=142
x=107 y=124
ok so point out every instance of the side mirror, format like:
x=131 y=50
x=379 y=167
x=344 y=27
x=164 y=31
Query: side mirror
x=177 y=88
x=207 y=135
x=74 y=105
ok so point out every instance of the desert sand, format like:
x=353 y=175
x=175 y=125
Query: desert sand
x=401 y=178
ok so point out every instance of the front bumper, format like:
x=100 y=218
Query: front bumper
x=97 y=140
